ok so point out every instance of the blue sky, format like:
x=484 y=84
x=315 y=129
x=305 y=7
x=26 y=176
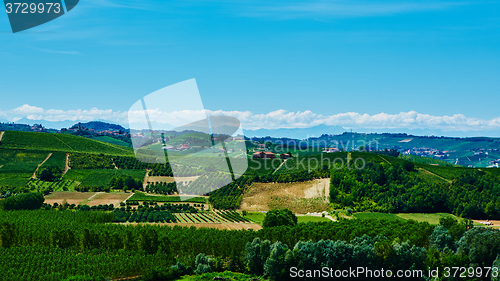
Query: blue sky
x=264 y=59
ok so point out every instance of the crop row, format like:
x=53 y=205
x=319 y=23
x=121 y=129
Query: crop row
x=231 y=216
x=46 y=186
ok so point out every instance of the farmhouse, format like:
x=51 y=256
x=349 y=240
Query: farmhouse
x=330 y=150
x=263 y=154
x=286 y=155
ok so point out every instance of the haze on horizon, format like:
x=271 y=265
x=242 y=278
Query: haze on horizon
x=370 y=66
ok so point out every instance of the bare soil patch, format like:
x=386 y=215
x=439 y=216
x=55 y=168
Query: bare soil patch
x=66 y=165
x=71 y=197
x=301 y=197
x=160 y=179
x=109 y=198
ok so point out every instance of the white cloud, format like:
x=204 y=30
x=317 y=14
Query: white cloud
x=272 y=120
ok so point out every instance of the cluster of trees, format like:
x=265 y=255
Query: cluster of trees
x=23 y=201
x=229 y=197
x=129 y=163
x=125 y=183
x=162 y=188
x=163 y=170
x=49 y=173
x=101 y=207
x=281 y=217
x=90 y=161
x=93 y=188
x=39 y=237
x=396 y=188
x=174 y=208
x=298 y=176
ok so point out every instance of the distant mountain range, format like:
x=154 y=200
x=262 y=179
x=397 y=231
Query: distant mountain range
x=295 y=133
x=316 y=131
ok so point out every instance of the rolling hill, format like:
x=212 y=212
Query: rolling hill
x=60 y=142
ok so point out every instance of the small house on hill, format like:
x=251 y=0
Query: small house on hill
x=286 y=155
x=263 y=154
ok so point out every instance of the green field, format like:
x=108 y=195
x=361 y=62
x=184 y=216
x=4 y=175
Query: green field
x=420 y=217
x=60 y=142
x=101 y=177
x=379 y=216
x=259 y=217
x=64 y=185
x=57 y=159
x=304 y=219
x=140 y=196
x=17 y=167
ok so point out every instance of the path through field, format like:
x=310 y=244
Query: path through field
x=1 y=135
x=66 y=165
x=280 y=166
x=429 y=172
x=90 y=198
x=39 y=165
x=105 y=198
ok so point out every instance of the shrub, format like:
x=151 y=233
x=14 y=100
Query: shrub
x=25 y=201
x=279 y=217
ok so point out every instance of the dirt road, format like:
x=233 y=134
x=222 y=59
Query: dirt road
x=39 y=165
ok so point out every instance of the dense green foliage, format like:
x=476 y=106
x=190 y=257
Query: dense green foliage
x=229 y=197
x=99 y=180
x=283 y=217
x=163 y=170
x=125 y=183
x=90 y=161
x=396 y=188
x=162 y=188
x=17 y=167
x=69 y=243
x=49 y=173
x=23 y=201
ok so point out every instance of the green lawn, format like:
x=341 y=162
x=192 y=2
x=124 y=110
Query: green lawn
x=380 y=216
x=430 y=218
x=258 y=217
x=18 y=166
x=420 y=217
x=301 y=219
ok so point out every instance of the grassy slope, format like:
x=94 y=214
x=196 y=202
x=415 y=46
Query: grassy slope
x=18 y=166
x=420 y=217
x=258 y=217
x=60 y=142
x=100 y=177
